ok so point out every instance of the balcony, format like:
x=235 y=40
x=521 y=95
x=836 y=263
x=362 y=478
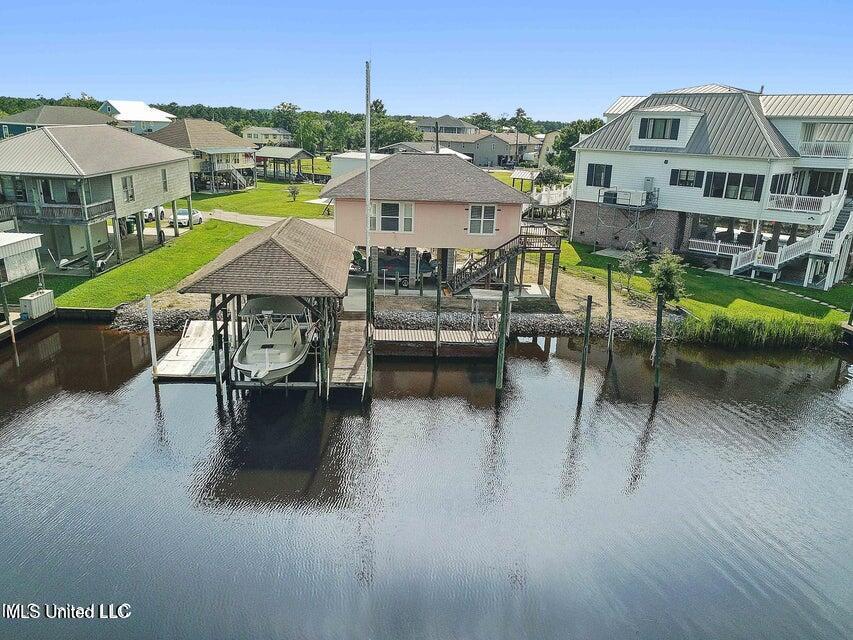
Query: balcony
x=825 y=149
x=801 y=204
x=56 y=212
x=716 y=247
x=634 y=199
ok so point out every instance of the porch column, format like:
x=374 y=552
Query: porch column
x=157 y=225
x=451 y=262
x=373 y=262
x=140 y=241
x=117 y=238
x=90 y=249
x=190 y=209
x=413 y=265
x=793 y=236
x=175 y=218
x=756 y=233
x=555 y=270
x=829 y=280
x=807 y=279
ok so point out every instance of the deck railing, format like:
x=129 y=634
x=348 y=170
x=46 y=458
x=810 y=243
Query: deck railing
x=97 y=209
x=7 y=211
x=716 y=247
x=794 y=202
x=825 y=149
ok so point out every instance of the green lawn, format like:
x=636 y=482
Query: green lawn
x=268 y=198
x=58 y=284
x=159 y=270
x=710 y=292
x=504 y=176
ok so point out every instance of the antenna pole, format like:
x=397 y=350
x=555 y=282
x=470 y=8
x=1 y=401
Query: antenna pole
x=367 y=165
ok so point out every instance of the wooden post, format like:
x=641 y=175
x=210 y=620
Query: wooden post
x=217 y=372
x=324 y=348
x=117 y=236
x=658 y=336
x=149 y=308
x=503 y=327
x=90 y=249
x=609 y=310
x=540 y=276
x=158 y=225
x=396 y=283
x=226 y=342
x=438 y=307
x=585 y=352
x=421 y=284
x=190 y=210
x=555 y=270
x=521 y=273
x=850 y=319
x=175 y=218
x=140 y=241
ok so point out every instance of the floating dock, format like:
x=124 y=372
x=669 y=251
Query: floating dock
x=192 y=359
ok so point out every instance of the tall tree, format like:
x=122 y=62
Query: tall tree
x=309 y=131
x=481 y=120
x=388 y=131
x=285 y=116
x=377 y=109
x=564 y=155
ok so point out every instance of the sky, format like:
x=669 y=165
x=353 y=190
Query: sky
x=557 y=60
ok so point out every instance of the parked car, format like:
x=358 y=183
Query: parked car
x=149 y=214
x=184 y=217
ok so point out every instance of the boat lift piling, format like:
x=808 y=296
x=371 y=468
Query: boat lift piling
x=585 y=352
x=656 y=355
x=503 y=328
x=609 y=311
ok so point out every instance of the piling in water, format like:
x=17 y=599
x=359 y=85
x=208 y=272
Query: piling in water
x=585 y=351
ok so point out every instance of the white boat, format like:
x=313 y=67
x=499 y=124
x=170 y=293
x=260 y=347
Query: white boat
x=279 y=338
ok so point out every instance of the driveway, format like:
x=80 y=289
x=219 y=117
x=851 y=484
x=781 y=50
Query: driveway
x=264 y=221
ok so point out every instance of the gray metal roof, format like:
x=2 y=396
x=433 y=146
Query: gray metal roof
x=427 y=177
x=81 y=150
x=808 y=105
x=710 y=88
x=733 y=125
x=289 y=258
x=623 y=104
x=47 y=114
x=667 y=108
x=283 y=153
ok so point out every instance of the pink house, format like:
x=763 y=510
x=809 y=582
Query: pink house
x=429 y=202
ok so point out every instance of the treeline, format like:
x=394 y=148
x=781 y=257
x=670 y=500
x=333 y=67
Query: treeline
x=9 y=105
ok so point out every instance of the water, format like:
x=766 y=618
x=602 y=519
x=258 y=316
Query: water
x=434 y=513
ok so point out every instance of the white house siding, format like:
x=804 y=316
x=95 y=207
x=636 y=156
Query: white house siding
x=791 y=128
x=148 y=187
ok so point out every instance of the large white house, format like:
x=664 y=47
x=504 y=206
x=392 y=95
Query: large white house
x=759 y=184
x=136 y=115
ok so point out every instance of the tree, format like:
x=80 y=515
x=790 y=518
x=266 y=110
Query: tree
x=237 y=126
x=481 y=120
x=568 y=137
x=522 y=122
x=285 y=116
x=631 y=262
x=550 y=175
x=388 y=131
x=293 y=190
x=309 y=131
x=377 y=109
x=337 y=130
x=668 y=276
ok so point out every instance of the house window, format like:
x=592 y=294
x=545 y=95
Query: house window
x=715 y=184
x=686 y=178
x=598 y=175
x=780 y=183
x=165 y=179
x=659 y=128
x=393 y=216
x=127 y=188
x=734 y=186
x=747 y=189
x=482 y=219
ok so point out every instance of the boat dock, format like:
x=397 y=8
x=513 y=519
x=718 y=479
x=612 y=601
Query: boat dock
x=348 y=363
x=192 y=358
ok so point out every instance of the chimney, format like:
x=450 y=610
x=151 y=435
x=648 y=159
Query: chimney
x=761 y=90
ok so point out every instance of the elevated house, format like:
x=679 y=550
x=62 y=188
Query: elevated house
x=438 y=203
x=222 y=161
x=273 y=136
x=66 y=183
x=51 y=115
x=488 y=148
x=446 y=124
x=135 y=114
x=757 y=184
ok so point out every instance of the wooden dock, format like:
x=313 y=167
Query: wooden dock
x=421 y=342
x=348 y=363
x=21 y=325
x=192 y=358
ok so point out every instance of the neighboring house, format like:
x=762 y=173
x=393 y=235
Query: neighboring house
x=446 y=124
x=223 y=161
x=137 y=115
x=263 y=136
x=487 y=148
x=547 y=148
x=757 y=183
x=421 y=147
x=66 y=182
x=433 y=202
x=48 y=115
x=349 y=161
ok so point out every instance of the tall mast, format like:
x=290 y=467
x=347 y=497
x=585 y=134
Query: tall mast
x=367 y=164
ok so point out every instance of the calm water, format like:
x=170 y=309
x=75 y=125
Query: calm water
x=434 y=513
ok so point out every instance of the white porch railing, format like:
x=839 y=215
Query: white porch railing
x=744 y=259
x=716 y=247
x=550 y=196
x=793 y=202
x=796 y=249
x=825 y=149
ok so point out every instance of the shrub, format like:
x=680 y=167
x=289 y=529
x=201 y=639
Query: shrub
x=293 y=190
x=631 y=262
x=667 y=276
x=550 y=175
x=735 y=331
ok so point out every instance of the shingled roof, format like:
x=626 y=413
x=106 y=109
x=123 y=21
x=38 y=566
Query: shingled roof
x=48 y=114
x=422 y=177
x=289 y=258
x=195 y=133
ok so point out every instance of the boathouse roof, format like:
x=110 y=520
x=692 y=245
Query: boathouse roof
x=289 y=258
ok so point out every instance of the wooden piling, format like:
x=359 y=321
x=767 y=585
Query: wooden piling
x=609 y=311
x=437 y=307
x=214 y=312
x=149 y=310
x=503 y=327
x=658 y=340
x=585 y=352
x=369 y=325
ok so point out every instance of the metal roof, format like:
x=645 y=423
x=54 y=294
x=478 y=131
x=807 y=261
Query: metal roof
x=732 y=125
x=14 y=243
x=289 y=258
x=54 y=114
x=667 y=108
x=710 y=88
x=623 y=104
x=808 y=105
x=284 y=153
x=525 y=174
x=138 y=111
x=81 y=150
x=425 y=177
x=198 y=134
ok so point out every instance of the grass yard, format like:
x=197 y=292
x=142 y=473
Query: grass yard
x=504 y=176
x=712 y=292
x=158 y=270
x=58 y=284
x=268 y=198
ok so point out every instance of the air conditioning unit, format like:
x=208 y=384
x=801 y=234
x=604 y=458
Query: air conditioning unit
x=609 y=197
x=649 y=184
x=37 y=304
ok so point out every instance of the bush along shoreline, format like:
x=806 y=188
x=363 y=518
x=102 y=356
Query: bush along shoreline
x=719 y=330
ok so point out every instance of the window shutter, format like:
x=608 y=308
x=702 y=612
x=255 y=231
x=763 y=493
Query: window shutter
x=673 y=129
x=590 y=172
x=759 y=185
x=608 y=169
x=644 y=127
x=673 y=177
x=700 y=177
x=708 y=182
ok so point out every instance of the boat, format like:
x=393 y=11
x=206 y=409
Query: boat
x=280 y=332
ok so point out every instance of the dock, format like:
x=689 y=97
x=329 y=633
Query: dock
x=348 y=363
x=192 y=359
x=21 y=325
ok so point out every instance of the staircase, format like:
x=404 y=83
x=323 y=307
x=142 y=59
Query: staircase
x=531 y=238
x=238 y=178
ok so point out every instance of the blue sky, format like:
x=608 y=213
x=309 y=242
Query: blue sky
x=558 y=60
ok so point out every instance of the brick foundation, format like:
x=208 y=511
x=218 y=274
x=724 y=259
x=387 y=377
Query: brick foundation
x=663 y=234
